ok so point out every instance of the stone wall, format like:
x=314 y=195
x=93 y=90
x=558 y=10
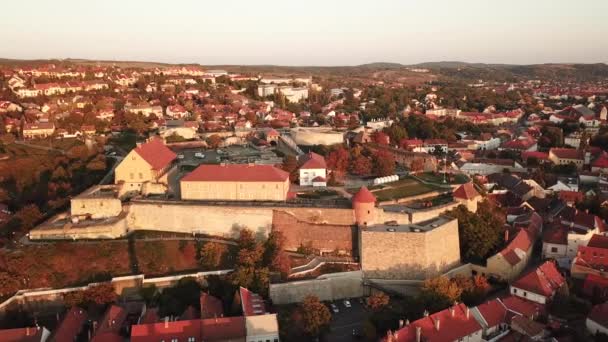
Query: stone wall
x=319 y=236
x=61 y=228
x=329 y=287
x=409 y=255
x=96 y=207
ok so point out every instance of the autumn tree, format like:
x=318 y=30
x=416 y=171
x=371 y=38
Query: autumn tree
x=250 y=271
x=417 y=165
x=337 y=160
x=214 y=141
x=383 y=163
x=290 y=165
x=439 y=293
x=380 y=138
x=315 y=316
x=361 y=166
x=212 y=254
x=99 y=294
x=274 y=253
x=481 y=232
x=377 y=301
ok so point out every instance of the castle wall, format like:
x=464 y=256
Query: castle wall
x=101 y=207
x=330 y=287
x=322 y=237
x=59 y=228
x=410 y=255
x=224 y=220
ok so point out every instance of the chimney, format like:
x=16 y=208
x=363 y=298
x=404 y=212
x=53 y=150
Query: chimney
x=94 y=326
x=452 y=311
x=400 y=323
x=418 y=333
x=27 y=331
x=426 y=313
x=166 y=322
x=437 y=324
x=407 y=322
x=507 y=235
x=467 y=312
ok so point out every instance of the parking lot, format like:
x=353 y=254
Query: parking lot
x=346 y=320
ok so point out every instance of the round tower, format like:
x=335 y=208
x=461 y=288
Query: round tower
x=364 y=205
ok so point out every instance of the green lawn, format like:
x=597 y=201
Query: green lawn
x=438 y=178
x=406 y=189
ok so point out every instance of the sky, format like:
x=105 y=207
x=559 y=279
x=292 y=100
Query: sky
x=307 y=32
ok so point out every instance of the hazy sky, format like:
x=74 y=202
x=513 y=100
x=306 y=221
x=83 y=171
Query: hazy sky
x=307 y=32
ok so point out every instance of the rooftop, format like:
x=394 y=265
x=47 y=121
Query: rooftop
x=419 y=227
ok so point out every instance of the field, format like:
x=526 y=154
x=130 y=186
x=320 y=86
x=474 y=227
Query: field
x=403 y=188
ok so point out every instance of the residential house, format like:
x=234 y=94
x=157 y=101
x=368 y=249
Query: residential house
x=566 y=156
x=509 y=262
x=456 y=323
x=540 y=285
x=467 y=196
x=177 y=112
x=597 y=320
x=312 y=169
x=145 y=167
x=37 y=130
x=592 y=258
x=71 y=325
x=110 y=326
x=28 y=334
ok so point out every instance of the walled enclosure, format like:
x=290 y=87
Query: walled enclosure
x=328 y=287
x=409 y=255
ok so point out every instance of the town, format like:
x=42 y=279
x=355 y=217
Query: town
x=157 y=202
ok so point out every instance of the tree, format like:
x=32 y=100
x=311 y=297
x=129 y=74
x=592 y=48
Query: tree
x=377 y=301
x=214 y=141
x=274 y=256
x=290 y=165
x=481 y=232
x=212 y=254
x=361 y=166
x=337 y=160
x=315 y=316
x=100 y=294
x=439 y=293
x=28 y=216
x=380 y=138
x=383 y=163
x=417 y=165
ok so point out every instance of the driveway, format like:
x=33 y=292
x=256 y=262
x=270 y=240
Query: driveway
x=343 y=322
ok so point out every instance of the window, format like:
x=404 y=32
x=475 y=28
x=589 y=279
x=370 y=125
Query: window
x=553 y=249
x=191 y=339
x=141 y=175
x=101 y=204
x=131 y=175
x=514 y=290
x=525 y=294
x=174 y=340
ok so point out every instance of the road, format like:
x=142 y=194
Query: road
x=348 y=319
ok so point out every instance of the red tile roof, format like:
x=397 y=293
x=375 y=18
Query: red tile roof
x=236 y=173
x=593 y=257
x=522 y=307
x=599 y=314
x=556 y=235
x=29 y=334
x=211 y=307
x=454 y=323
x=222 y=329
x=544 y=280
x=71 y=325
x=251 y=303
x=364 y=196
x=493 y=312
x=155 y=153
x=312 y=160
x=167 y=331
x=594 y=283
x=109 y=327
x=598 y=241
x=601 y=162
x=570 y=196
x=466 y=191
x=567 y=153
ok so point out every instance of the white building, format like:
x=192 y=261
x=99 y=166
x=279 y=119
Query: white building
x=313 y=170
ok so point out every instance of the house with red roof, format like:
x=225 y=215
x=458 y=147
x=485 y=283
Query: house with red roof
x=37 y=130
x=71 y=325
x=145 y=169
x=235 y=182
x=259 y=324
x=555 y=242
x=108 y=329
x=28 y=334
x=592 y=258
x=312 y=169
x=600 y=164
x=468 y=196
x=539 y=285
x=597 y=320
x=456 y=323
x=566 y=156
x=510 y=261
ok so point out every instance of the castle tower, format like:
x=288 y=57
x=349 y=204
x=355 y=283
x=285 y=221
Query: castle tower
x=364 y=205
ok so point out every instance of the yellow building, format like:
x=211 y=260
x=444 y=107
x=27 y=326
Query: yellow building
x=147 y=163
x=235 y=182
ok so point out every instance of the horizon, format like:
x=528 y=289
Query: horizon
x=337 y=33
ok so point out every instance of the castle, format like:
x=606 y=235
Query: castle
x=393 y=241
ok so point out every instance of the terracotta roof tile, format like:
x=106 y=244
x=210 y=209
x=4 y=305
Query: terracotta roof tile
x=236 y=173
x=466 y=191
x=364 y=196
x=156 y=154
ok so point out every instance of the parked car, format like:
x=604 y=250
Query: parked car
x=334 y=308
x=180 y=156
x=347 y=304
x=199 y=155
